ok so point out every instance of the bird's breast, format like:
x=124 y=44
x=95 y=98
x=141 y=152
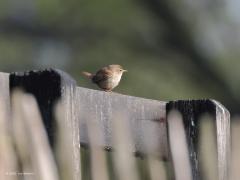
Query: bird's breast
x=114 y=81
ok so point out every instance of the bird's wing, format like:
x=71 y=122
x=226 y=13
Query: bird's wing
x=102 y=75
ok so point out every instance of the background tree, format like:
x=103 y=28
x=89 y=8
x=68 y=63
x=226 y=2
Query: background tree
x=172 y=49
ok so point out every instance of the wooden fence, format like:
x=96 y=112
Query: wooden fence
x=45 y=143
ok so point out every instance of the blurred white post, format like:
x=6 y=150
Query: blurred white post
x=157 y=169
x=48 y=87
x=63 y=139
x=207 y=148
x=8 y=164
x=223 y=140
x=98 y=156
x=179 y=147
x=123 y=152
x=31 y=139
x=235 y=160
x=156 y=164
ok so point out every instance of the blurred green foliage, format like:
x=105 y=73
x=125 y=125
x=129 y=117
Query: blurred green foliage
x=172 y=49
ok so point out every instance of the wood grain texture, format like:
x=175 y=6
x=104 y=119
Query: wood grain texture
x=223 y=140
x=146 y=118
x=46 y=87
x=192 y=111
x=7 y=150
x=143 y=115
x=49 y=87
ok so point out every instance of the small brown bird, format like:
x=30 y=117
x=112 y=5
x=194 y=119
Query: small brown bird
x=108 y=77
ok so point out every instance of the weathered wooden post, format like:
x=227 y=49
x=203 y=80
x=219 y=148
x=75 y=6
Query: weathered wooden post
x=7 y=155
x=50 y=87
x=192 y=111
x=151 y=116
x=144 y=116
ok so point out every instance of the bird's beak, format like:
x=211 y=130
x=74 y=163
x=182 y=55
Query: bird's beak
x=125 y=70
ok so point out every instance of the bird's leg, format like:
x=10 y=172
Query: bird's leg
x=108 y=90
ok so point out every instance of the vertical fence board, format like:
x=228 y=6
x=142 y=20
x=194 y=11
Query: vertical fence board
x=8 y=165
x=191 y=111
x=49 y=87
x=4 y=93
x=142 y=114
x=178 y=147
x=30 y=139
x=223 y=140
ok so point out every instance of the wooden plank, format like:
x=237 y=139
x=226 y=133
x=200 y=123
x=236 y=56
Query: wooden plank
x=8 y=164
x=49 y=87
x=191 y=111
x=143 y=115
x=68 y=89
x=223 y=140
x=178 y=147
x=4 y=94
x=30 y=139
x=46 y=87
x=146 y=118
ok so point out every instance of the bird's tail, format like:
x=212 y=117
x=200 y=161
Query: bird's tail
x=88 y=75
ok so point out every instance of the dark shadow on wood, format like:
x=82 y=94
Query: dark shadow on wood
x=191 y=111
x=46 y=87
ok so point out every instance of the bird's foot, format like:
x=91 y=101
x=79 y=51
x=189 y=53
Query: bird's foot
x=108 y=90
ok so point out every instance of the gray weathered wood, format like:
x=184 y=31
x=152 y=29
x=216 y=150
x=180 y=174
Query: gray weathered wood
x=30 y=139
x=4 y=91
x=191 y=111
x=178 y=147
x=143 y=115
x=147 y=118
x=223 y=140
x=49 y=87
x=7 y=151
